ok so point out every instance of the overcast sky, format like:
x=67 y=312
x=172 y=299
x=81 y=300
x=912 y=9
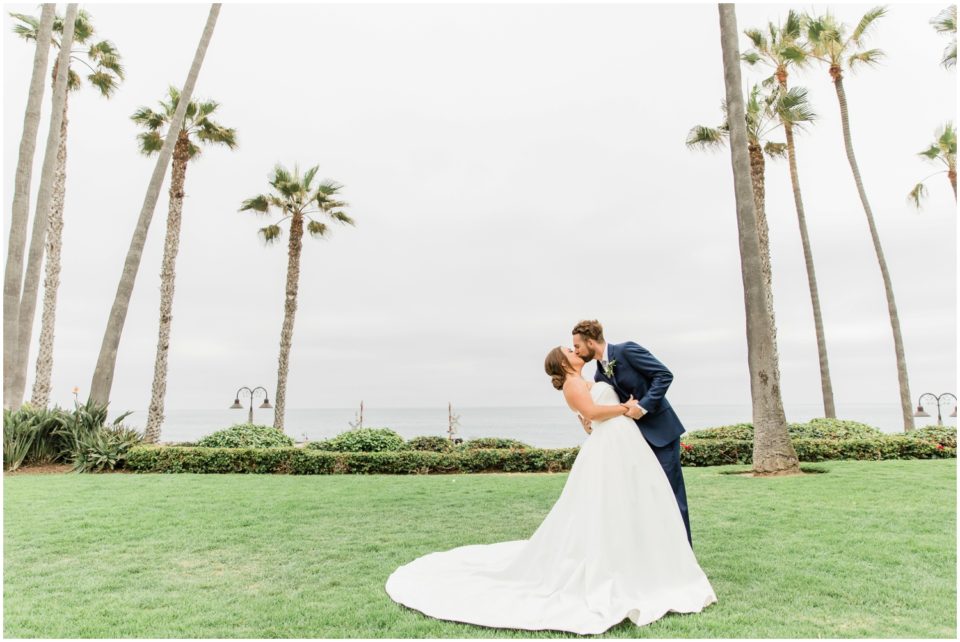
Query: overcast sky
x=512 y=169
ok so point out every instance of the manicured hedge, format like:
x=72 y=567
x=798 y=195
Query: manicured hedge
x=717 y=452
x=300 y=461
x=820 y=428
x=318 y=462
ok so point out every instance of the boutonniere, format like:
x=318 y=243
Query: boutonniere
x=608 y=368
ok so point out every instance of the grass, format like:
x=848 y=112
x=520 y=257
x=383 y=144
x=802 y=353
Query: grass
x=866 y=550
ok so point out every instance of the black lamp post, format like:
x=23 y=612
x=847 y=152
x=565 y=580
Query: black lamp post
x=250 y=393
x=921 y=413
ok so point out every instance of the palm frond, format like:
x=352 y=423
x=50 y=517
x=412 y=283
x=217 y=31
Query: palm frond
x=316 y=229
x=868 y=57
x=757 y=38
x=793 y=107
x=27 y=27
x=704 y=137
x=206 y=107
x=73 y=80
x=931 y=152
x=308 y=177
x=210 y=132
x=917 y=195
x=258 y=203
x=866 y=23
x=950 y=55
x=793 y=27
x=943 y=22
x=148 y=118
x=341 y=217
x=947 y=138
x=775 y=150
x=271 y=233
x=104 y=55
x=150 y=142
x=105 y=82
x=329 y=187
x=794 y=54
x=751 y=58
x=83 y=28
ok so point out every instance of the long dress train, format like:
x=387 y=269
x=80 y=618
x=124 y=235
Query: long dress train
x=613 y=546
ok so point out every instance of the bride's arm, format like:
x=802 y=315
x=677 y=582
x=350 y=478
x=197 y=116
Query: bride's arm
x=578 y=397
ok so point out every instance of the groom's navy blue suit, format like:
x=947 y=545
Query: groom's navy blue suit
x=638 y=373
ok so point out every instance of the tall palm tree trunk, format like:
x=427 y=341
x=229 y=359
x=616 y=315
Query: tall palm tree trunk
x=758 y=182
x=168 y=273
x=20 y=212
x=289 y=311
x=38 y=238
x=102 y=381
x=887 y=283
x=826 y=385
x=772 y=451
x=40 y=396
x=952 y=175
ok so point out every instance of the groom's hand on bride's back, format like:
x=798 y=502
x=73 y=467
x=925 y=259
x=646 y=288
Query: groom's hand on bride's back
x=586 y=423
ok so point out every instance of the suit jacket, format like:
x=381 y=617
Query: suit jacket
x=638 y=373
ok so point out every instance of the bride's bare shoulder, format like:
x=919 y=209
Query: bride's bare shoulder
x=577 y=383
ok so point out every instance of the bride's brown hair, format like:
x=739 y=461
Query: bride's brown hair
x=557 y=367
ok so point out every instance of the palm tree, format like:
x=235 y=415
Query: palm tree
x=103 y=62
x=20 y=212
x=946 y=22
x=198 y=128
x=782 y=50
x=31 y=281
x=943 y=149
x=773 y=454
x=296 y=197
x=830 y=44
x=102 y=381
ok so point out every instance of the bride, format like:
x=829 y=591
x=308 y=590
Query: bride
x=613 y=546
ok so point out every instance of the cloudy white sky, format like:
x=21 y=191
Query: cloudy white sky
x=512 y=170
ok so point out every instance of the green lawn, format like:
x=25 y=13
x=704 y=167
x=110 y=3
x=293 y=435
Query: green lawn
x=867 y=549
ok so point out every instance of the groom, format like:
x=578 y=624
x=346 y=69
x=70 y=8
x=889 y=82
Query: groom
x=632 y=370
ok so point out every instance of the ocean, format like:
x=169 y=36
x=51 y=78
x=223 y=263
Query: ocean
x=546 y=427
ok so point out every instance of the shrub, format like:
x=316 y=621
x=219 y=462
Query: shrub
x=302 y=461
x=492 y=442
x=944 y=435
x=367 y=440
x=823 y=428
x=246 y=436
x=820 y=428
x=718 y=452
x=105 y=448
x=432 y=443
x=742 y=432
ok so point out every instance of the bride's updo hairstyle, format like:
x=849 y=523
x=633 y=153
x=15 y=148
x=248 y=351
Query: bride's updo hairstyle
x=557 y=367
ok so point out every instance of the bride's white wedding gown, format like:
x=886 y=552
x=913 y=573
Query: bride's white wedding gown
x=612 y=547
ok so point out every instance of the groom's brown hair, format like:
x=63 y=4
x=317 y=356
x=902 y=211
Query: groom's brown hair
x=589 y=330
